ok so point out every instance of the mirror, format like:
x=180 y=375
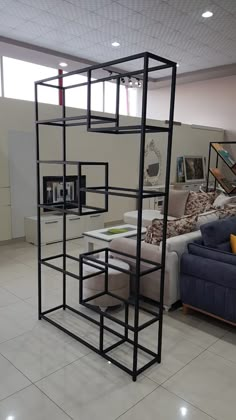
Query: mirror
x=152 y=164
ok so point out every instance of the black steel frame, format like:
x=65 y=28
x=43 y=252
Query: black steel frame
x=209 y=172
x=109 y=125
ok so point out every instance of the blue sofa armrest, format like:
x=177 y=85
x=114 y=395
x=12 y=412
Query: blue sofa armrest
x=210 y=270
x=212 y=253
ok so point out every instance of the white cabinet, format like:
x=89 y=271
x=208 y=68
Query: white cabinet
x=5 y=214
x=94 y=222
x=52 y=227
x=74 y=226
x=5 y=223
x=188 y=186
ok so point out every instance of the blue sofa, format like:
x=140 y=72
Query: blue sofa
x=208 y=272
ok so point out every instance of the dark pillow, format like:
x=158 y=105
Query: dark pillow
x=216 y=234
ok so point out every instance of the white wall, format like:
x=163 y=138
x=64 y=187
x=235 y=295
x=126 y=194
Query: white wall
x=210 y=103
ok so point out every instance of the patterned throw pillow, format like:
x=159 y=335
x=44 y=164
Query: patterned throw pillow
x=199 y=202
x=227 y=212
x=175 y=227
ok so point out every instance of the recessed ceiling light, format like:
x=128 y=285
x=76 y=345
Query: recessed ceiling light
x=207 y=14
x=183 y=411
x=63 y=64
x=177 y=65
x=115 y=44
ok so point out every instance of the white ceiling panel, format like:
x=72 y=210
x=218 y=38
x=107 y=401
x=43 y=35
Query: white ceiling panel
x=137 y=21
x=49 y=20
x=229 y=5
x=138 y=5
x=114 y=11
x=21 y=10
x=40 y=4
x=10 y=20
x=92 y=20
x=91 y=5
x=174 y=29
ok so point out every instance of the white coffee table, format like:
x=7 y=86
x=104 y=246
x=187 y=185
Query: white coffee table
x=101 y=237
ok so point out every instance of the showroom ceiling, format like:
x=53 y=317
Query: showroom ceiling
x=86 y=29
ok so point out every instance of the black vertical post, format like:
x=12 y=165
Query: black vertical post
x=106 y=186
x=126 y=320
x=79 y=192
x=64 y=195
x=38 y=203
x=117 y=101
x=208 y=167
x=89 y=100
x=217 y=163
x=166 y=203
x=140 y=210
x=80 y=280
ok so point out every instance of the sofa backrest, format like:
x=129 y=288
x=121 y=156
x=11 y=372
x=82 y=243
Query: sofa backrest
x=217 y=234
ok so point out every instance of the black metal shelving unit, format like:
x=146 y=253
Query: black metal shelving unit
x=104 y=124
x=215 y=172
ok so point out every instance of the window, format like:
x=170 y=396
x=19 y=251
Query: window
x=133 y=101
x=19 y=77
x=110 y=98
x=123 y=100
x=77 y=96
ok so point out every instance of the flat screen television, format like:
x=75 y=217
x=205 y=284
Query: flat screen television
x=194 y=168
x=53 y=191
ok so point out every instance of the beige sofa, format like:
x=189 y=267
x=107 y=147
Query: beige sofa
x=150 y=284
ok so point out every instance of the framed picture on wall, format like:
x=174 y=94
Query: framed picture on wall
x=194 y=168
x=180 y=175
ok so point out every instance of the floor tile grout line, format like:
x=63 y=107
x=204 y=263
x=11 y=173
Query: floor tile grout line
x=143 y=398
x=190 y=403
x=61 y=409
x=219 y=355
x=13 y=294
x=17 y=368
x=16 y=392
x=46 y=376
x=190 y=361
x=60 y=368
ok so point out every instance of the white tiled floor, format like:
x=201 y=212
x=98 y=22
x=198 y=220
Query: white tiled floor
x=45 y=374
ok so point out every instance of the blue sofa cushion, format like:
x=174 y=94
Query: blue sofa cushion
x=213 y=254
x=216 y=234
x=209 y=270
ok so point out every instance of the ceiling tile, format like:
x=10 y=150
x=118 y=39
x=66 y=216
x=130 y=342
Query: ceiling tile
x=41 y=4
x=78 y=43
x=67 y=11
x=138 y=5
x=91 y=4
x=59 y=36
x=229 y=5
x=5 y=3
x=23 y=35
x=114 y=11
x=23 y=11
x=10 y=20
x=137 y=21
x=50 y=20
x=31 y=28
x=91 y=19
x=190 y=5
x=75 y=28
